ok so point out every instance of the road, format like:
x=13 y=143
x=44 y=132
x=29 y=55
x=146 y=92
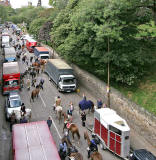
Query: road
x=41 y=109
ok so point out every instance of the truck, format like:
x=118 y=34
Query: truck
x=33 y=141
x=61 y=74
x=5 y=40
x=112 y=131
x=31 y=44
x=9 y=54
x=41 y=52
x=11 y=77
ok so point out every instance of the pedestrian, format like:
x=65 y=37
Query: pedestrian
x=49 y=122
x=71 y=107
x=83 y=118
x=12 y=120
x=33 y=82
x=41 y=83
x=28 y=84
x=31 y=58
x=99 y=103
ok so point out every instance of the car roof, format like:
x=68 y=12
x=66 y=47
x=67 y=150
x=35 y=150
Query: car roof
x=143 y=154
x=14 y=94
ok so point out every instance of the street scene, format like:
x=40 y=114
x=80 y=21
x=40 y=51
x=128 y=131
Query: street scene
x=51 y=109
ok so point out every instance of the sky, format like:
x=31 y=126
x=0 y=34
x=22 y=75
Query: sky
x=21 y=3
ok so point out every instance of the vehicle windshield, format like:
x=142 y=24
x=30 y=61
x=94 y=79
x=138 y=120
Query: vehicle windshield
x=15 y=103
x=44 y=57
x=11 y=83
x=69 y=81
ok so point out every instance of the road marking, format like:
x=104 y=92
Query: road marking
x=56 y=127
x=42 y=100
x=52 y=119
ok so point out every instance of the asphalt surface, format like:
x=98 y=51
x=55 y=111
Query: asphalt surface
x=41 y=109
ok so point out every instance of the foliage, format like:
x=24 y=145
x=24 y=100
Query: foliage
x=35 y=26
x=82 y=31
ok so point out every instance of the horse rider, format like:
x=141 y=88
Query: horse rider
x=63 y=150
x=23 y=111
x=93 y=147
x=69 y=113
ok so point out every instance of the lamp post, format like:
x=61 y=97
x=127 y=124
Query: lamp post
x=108 y=79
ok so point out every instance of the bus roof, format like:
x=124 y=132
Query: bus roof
x=11 y=67
x=42 y=49
x=33 y=141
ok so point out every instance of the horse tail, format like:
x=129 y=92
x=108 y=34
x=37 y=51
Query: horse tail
x=78 y=134
x=32 y=97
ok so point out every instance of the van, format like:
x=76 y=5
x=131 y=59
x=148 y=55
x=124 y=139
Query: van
x=142 y=154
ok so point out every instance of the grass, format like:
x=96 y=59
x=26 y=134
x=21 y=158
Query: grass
x=145 y=94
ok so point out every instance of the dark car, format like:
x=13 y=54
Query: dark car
x=142 y=154
x=12 y=103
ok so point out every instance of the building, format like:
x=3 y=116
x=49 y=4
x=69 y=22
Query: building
x=29 y=3
x=5 y=2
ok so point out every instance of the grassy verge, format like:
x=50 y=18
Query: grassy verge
x=145 y=93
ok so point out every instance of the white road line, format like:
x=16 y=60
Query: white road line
x=56 y=128
x=52 y=119
x=42 y=100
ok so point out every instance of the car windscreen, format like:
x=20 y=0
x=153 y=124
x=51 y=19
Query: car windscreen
x=15 y=103
x=68 y=80
x=44 y=57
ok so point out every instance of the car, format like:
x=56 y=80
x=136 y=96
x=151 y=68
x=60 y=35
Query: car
x=142 y=154
x=13 y=103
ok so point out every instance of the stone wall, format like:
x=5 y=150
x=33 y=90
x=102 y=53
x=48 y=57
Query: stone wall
x=137 y=117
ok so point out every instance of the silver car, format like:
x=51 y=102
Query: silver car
x=12 y=103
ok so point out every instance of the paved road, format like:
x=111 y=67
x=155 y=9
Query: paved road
x=41 y=109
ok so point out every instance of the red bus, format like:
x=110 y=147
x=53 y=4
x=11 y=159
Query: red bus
x=33 y=141
x=11 y=77
x=31 y=44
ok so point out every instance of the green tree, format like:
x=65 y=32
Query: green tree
x=35 y=26
x=81 y=32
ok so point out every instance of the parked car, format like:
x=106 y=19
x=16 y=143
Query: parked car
x=142 y=154
x=12 y=103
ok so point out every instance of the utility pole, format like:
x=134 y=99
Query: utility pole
x=108 y=80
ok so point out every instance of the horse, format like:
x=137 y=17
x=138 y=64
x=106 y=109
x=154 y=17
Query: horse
x=70 y=127
x=35 y=93
x=36 y=64
x=73 y=153
x=42 y=62
x=94 y=155
x=59 y=113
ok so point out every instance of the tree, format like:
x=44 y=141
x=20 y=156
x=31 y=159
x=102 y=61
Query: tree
x=81 y=33
x=35 y=26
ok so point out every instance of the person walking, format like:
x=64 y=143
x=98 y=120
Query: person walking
x=99 y=103
x=31 y=59
x=83 y=118
x=41 y=83
x=28 y=84
x=49 y=122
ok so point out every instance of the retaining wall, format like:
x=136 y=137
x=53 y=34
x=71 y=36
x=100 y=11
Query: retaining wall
x=137 y=117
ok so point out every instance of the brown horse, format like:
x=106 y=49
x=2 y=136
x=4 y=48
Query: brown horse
x=36 y=64
x=70 y=126
x=94 y=155
x=74 y=154
x=35 y=93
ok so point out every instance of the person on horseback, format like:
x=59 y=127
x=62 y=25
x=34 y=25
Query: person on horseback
x=93 y=147
x=63 y=150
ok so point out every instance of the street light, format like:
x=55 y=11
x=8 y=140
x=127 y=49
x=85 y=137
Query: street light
x=108 y=80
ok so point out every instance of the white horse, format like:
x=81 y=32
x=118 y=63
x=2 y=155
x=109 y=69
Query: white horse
x=59 y=112
x=19 y=116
